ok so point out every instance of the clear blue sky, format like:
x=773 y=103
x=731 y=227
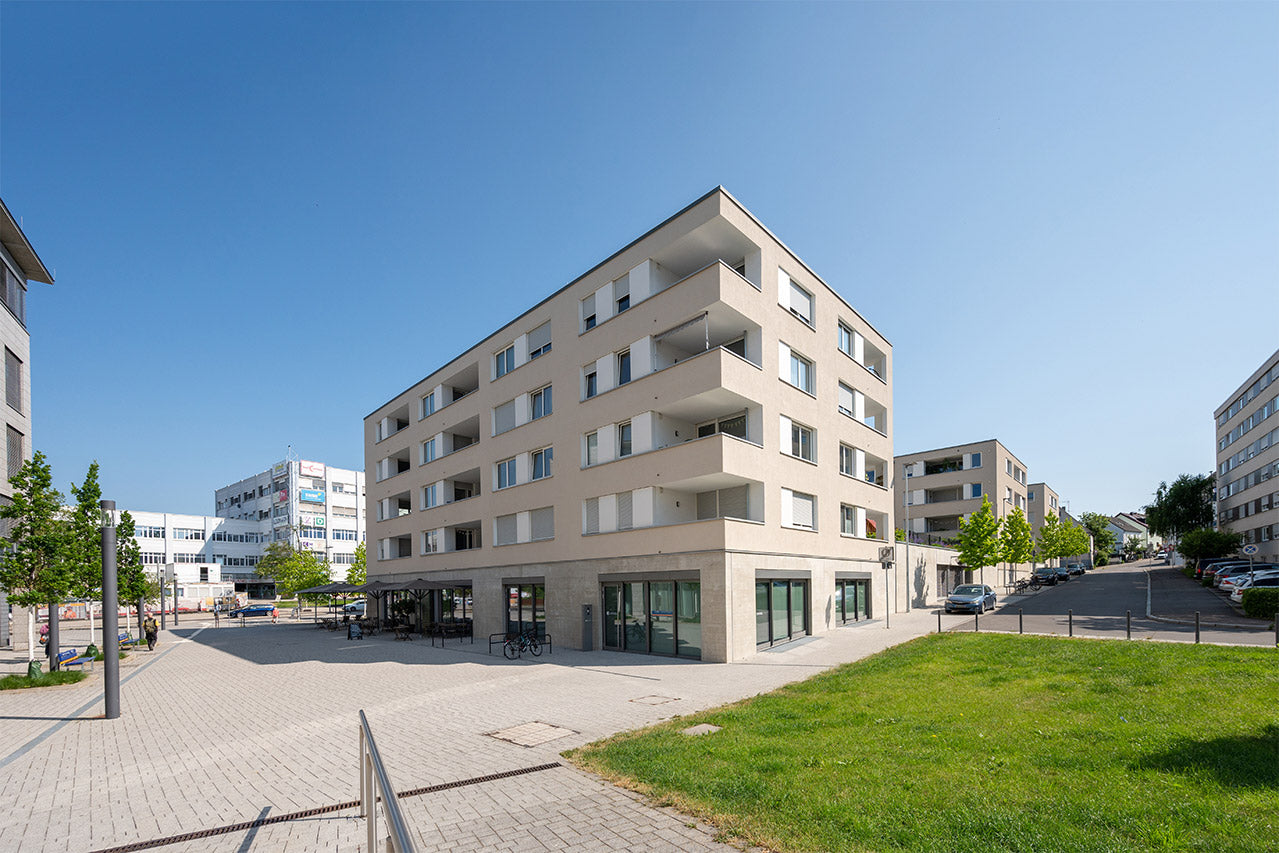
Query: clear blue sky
x=268 y=219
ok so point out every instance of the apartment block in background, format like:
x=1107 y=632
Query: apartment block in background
x=19 y=264
x=1248 y=460
x=936 y=488
x=683 y=452
x=1041 y=501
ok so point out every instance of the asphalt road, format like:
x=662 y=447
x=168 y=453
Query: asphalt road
x=1161 y=600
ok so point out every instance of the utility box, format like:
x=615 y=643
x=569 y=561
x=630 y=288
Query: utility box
x=588 y=629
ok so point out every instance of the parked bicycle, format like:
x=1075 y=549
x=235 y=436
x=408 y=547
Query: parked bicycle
x=515 y=646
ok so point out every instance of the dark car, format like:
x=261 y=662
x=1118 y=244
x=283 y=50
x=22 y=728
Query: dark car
x=253 y=610
x=971 y=598
x=1075 y=569
x=1063 y=573
x=1045 y=576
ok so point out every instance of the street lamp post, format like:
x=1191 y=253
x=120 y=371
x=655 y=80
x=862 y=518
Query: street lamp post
x=110 y=615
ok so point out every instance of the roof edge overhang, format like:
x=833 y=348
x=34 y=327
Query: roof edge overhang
x=20 y=248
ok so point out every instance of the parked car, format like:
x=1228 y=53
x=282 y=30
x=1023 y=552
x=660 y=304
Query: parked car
x=1045 y=575
x=1236 y=578
x=355 y=608
x=1231 y=574
x=253 y=610
x=1210 y=569
x=1236 y=594
x=971 y=598
x=1075 y=569
x=1063 y=574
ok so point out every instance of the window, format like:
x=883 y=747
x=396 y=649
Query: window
x=803 y=510
x=846 y=460
x=149 y=531
x=734 y=425
x=188 y=533
x=1009 y=463
x=430 y=496
x=542 y=403
x=539 y=341
x=801 y=442
x=12 y=380
x=847 y=520
x=845 y=403
x=15 y=451
x=625 y=511
x=344 y=535
x=845 y=339
x=976 y=463
x=152 y=558
x=506 y=473
x=592 y=386
x=428 y=404
x=542 y=523
x=801 y=372
x=504 y=362
x=14 y=294
x=624 y=439
x=593 y=448
x=974 y=490
x=542 y=462
x=1030 y=495
x=592 y=516
x=800 y=302
x=622 y=295
x=1008 y=494
x=588 y=313
x=428 y=454
x=504 y=417
x=623 y=367
x=313 y=533
x=504 y=530
x=732 y=502
x=430 y=541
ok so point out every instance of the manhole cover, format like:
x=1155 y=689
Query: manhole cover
x=655 y=700
x=532 y=734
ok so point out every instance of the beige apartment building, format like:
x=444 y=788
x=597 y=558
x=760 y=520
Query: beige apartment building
x=684 y=452
x=19 y=264
x=1041 y=501
x=938 y=487
x=1248 y=460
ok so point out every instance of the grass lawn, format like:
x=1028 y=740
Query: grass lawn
x=985 y=742
x=44 y=679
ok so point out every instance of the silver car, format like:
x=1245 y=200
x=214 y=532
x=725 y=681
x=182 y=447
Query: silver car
x=971 y=598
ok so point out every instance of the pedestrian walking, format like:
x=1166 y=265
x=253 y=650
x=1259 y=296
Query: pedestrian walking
x=217 y=615
x=275 y=614
x=151 y=629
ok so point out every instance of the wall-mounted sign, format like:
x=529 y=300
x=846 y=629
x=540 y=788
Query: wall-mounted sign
x=282 y=521
x=315 y=496
x=313 y=520
x=282 y=496
x=312 y=469
x=279 y=469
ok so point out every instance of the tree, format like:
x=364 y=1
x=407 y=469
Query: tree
x=1074 y=539
x=1051 y=543
x=979 y=538
x=37 y=570
x=292 y=569
x=1015 y=542
x=1133 y=548
x=85 y=520
x=1185 y=505
x=1205 y=543
x=1103 y=539
x=134 y=586
x=359 y=572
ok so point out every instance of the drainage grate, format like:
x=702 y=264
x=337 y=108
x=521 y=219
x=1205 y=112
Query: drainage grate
x=336 y=807
x=655 y=700
x=532 y=734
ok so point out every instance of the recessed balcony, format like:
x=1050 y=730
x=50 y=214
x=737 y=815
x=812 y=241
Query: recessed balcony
x=392 y=423
x=395 y=506
x=396 y=463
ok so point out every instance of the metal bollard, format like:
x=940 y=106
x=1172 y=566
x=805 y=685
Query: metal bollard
x=938 y=621
x=1070 y=622
x=1196 y=627
x=1277 y=629
x=976 y=623
x=1129 y=626
x=1020 y=616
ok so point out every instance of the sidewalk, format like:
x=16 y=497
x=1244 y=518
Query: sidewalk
x=231 y=724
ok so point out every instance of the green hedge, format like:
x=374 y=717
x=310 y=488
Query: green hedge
x=1261 y=603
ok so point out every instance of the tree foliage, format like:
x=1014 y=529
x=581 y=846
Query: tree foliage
x=979 y=544
x=1074 y=539
x=38 y=569
x=1185 y=505
x=1103 y=539
x=85 y=521
x=131 y=579
x=292 y=569
x=358 y=573
x=1051 y=541
x=1204 y=543
x=1015 y=542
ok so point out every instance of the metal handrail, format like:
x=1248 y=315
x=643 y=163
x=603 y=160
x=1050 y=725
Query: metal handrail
x=373 y=779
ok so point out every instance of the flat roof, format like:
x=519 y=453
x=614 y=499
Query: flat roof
x=17 y=245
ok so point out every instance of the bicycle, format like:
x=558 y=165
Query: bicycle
x=514 y=646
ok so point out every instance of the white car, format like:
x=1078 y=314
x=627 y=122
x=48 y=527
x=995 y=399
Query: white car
x=1263 y=579
x=355 y=608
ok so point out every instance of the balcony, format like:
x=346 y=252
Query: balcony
x=461 y=487
x=875 y=361
x=395 y=547
x=396 y=463
x=875 y=416
x=717 y=326
x=463 y=537
x=936 y=496
x=461 y=436
x=943 y=466
x=395 y=506
x=459 y=385
x=391 y=424
x=876 y=471
x=946 y=524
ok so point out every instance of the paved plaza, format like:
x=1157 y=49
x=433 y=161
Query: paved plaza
x=227 y=725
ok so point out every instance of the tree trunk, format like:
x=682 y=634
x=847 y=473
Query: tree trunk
x=52 y=649
x=31 y=634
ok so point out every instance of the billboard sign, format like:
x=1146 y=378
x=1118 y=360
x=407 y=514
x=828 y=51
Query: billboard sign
x=279 y=469
x=315 y=496
x=312 y=469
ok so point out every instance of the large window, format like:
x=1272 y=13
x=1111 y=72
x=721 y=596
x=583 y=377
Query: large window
x=588 y=313
x=654 y=617
x=542 y=462
x=852 y=600
x=541 y=402
x=798 y=300
x=506 y=473
x=624 y=439
x=801 y=510
x=623 y=367
x=734 y=425
x=781 y=611
x=801 y=442
x=526 y=609
x=539 y=341
x=428 y=404
x=12 y=380
x=847 y=520
x=593 y=448
x=845 y=339
x=590 y=386
x=430 y=541
x=430 y=496
x=622 y=296
x=846 y=457
x=801 y=372
x=504 y=362
x=15 y=449
x=976 y=461
x=428 y=454
x=149 y=531
x=188 y=533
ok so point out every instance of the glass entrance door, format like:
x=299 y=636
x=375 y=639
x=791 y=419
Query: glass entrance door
x=612 y=616
x=781 y=611
x=661 y=614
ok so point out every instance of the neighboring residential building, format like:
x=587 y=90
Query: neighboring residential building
x=1042 y=502
x=691 y=442
x=1125 y=529
x=19 y=264
x=309 y=504
x=939 y=487
x=1248 y=460
x=1135 y=524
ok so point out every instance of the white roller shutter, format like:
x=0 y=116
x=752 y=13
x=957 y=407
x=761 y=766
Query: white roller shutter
x=732 y=502
x=801 y=509
x=624 y=514
x=592 y=515
x=504 y=534
x=504 y=417
x=542 y=522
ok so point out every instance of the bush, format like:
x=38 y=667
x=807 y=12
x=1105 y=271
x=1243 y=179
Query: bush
x=1261 y=603
x=1206 y=581
x=1100 y=560
x=1188 y=572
